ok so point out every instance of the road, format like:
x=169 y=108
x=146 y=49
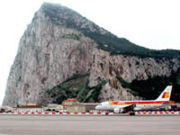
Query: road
x=89 y=125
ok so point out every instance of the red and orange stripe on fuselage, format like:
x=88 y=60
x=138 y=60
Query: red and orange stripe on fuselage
x=138 y=102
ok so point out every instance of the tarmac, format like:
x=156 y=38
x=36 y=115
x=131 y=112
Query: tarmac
x=89 y=125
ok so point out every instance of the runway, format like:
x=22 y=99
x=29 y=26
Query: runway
x=89 y=125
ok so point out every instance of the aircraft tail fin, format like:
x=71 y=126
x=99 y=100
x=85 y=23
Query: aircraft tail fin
x=166 y=94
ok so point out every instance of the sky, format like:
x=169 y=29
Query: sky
x=153 y=24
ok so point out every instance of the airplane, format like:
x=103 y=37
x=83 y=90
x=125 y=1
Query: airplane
x=131 y=106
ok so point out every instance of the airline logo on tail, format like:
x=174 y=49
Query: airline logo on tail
x=166 y=95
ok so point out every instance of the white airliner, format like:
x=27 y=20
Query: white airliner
x=127 y=106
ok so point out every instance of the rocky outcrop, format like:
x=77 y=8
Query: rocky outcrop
x=50 y=52
x=129 y=68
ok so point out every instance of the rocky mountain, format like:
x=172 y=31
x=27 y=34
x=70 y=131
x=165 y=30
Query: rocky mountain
x=64 y=55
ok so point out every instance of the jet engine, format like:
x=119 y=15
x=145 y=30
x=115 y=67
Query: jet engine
x=118 y=110
x=125 y=109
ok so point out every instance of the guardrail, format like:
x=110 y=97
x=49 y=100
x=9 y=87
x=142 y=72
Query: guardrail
x=157 y=113
x=94 y=113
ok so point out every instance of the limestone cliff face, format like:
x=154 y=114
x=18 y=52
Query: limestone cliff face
x=51 y=52
x=107 y=67
x=47 y=56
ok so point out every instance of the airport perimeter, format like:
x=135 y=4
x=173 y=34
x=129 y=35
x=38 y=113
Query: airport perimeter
x=177 y=113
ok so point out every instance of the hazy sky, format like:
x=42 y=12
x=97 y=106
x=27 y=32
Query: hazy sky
x=151 y=23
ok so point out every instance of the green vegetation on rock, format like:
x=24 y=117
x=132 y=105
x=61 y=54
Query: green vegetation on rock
x=152 y=87
x=123 y=82
x=76 y=87
x=178 y=79
x=71 y=36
